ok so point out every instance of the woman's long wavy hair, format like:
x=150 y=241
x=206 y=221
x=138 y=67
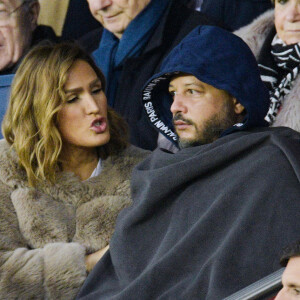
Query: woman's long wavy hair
x=37 y=94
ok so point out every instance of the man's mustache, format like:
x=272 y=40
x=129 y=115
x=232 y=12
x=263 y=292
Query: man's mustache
x=179 y=117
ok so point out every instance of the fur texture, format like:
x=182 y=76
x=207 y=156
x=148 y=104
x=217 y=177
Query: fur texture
x=46 y=232
x=254 y=35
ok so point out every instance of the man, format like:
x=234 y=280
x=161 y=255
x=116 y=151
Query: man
x=137 y=35
x=291 y=274
x=18 y=32
x=212 y=218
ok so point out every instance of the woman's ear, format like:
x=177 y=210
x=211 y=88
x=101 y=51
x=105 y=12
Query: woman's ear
x=238 y=107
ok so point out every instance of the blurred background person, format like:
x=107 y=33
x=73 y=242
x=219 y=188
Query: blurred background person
x=18 y=33
x=198 y=4
x=65 y=166
x=291 y=275
x=274 y=38
x=137 y=36
x=235 y=13
x=70 y=19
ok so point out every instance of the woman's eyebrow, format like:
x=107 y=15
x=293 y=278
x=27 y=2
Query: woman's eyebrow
x=78 y=89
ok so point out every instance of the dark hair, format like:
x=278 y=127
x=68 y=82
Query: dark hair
x=289 y=252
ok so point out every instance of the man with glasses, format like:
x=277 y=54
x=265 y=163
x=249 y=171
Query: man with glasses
x=18 y=33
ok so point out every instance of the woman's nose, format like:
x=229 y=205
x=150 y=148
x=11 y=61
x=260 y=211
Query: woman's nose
x=91 y=105
x=293 y=11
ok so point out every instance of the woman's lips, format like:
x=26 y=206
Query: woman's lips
x=99 y=125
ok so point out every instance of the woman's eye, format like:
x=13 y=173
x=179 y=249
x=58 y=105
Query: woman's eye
x=172 y=93
x=97 y=90
x=72 y=99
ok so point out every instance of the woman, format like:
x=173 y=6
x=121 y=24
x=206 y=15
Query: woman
x=275 y=41
x=64 y=174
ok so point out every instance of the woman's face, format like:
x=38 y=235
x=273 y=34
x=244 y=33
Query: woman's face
x=287 y=20
x=82 y=121
x=115 y=15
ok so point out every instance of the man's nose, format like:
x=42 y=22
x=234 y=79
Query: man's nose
x=104 y=3
x=178 y=104
x=281 y=295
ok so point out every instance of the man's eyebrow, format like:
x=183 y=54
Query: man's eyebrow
x=189 y=84
x=293 y=285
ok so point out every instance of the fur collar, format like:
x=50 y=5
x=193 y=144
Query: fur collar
x=254 y=35
x=68 y=186
x=256 y=32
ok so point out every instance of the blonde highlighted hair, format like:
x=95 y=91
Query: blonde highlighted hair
x=37 y=94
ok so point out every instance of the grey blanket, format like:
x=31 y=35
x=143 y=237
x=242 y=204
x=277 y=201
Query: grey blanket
x=206 y=221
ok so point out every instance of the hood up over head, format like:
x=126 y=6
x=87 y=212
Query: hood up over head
x=218 y=58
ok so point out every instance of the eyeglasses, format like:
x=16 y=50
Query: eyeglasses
x=5 y=15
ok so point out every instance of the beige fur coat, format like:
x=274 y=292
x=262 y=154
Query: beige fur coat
x=46 y=232
x=254 y=35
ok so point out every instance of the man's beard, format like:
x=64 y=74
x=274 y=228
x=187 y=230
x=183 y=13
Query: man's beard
x=211 y=129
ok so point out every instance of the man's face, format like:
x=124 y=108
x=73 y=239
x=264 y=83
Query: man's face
x=200 y=111
x=115 y=15
x=290 y=281
x=15 y=31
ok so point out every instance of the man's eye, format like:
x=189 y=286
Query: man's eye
x=193 y=92
x=297 y=291
x=172 y=93
x=282 y=2
x=3 y=13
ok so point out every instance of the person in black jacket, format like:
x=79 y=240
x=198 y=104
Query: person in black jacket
x=235 y=13
x=137 y=36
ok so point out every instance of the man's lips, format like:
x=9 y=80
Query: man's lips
x=110 y=17
x=99 y=125
x=181 y=125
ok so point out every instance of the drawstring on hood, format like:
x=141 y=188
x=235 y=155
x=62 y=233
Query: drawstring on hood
x=218 y=58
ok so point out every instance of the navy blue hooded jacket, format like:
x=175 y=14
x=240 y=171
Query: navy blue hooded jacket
x=211 y=219
x=218 y=58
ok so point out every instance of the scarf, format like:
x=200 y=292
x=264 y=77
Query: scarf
x=280 y=74
x=112 y=52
